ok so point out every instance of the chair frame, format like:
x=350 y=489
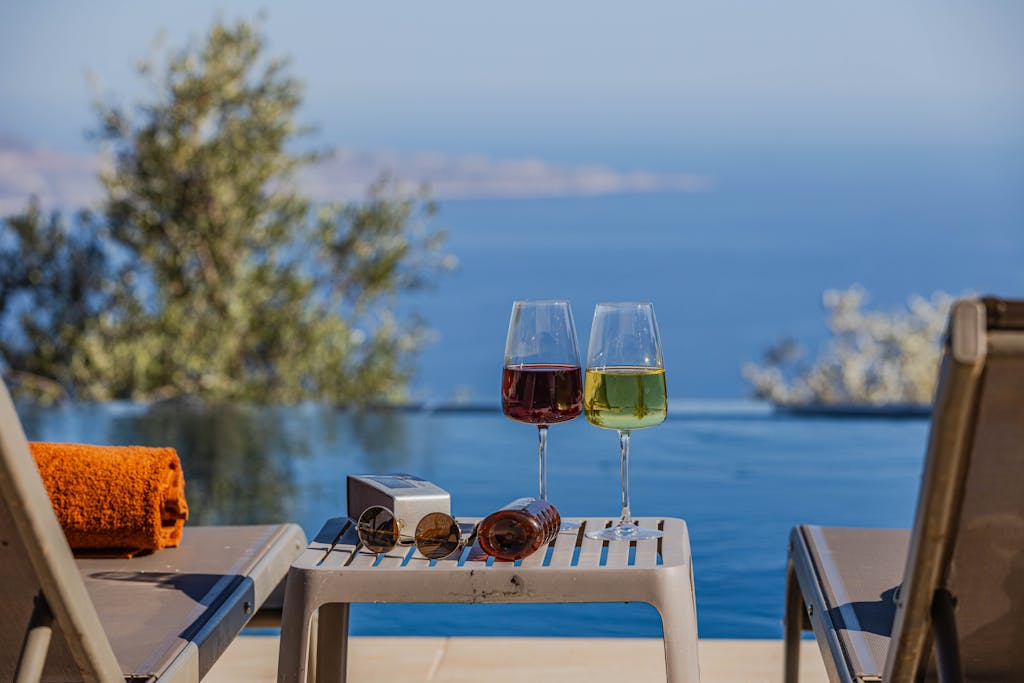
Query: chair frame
x=64 y=601
x=63 y=595
x=924 y=620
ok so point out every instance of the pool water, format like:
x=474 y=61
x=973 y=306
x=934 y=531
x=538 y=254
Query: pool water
x=739 y=474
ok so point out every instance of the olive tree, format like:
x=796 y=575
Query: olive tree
x=219 y=278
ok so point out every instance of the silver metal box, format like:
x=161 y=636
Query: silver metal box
x=408 y=497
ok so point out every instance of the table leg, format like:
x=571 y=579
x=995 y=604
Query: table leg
x=314 y=629
x=296 y=651
x=332 y=643
x=679 y=625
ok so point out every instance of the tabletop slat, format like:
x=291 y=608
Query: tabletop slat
x=339 y=556
x=536 y=559
x=395 y=557
x=618 y=554
x=672 y=550
x=417 y=560
x=362 y=559
x=590 y=549
x=565 y=546
x=647 y=551
x=452 y=561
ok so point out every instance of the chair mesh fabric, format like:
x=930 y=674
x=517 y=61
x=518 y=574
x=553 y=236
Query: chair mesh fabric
x=859 y=571
x=986 y=574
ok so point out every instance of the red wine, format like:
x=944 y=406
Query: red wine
x=542 y=394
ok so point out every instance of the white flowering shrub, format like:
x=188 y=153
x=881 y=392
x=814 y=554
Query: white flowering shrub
x=871 y=358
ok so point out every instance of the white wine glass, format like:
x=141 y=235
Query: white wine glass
x=624 y=390
x=542 y=382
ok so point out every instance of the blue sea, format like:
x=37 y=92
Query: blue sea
x=739 y=475
x=730 y=271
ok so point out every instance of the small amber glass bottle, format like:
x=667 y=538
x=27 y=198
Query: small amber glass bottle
x=519 y=529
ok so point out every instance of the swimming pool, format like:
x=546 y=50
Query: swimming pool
x=739 y=474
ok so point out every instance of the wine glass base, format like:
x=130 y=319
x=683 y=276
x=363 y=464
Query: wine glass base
x=624 y=532
x=569 y=526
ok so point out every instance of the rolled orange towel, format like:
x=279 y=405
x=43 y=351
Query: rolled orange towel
x=124 y=498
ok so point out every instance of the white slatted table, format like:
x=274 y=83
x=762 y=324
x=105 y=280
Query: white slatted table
x=573 y=568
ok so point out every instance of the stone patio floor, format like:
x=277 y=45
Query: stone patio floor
x=514 y=660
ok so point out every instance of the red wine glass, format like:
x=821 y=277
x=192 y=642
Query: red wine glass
x=542 y=383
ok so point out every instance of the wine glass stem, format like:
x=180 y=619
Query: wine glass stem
x=624 y=452
x=542 y=436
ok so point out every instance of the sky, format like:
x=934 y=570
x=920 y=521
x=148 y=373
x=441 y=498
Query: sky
x=537 y=99
x=776 y=148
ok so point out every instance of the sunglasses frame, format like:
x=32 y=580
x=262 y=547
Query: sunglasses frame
x=431 y=544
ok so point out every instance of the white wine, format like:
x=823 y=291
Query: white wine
x=624 y=397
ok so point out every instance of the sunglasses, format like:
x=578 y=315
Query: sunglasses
x=437 y=535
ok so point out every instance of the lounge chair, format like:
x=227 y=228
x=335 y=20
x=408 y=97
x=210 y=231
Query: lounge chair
x=163 y=617
x=944 y=600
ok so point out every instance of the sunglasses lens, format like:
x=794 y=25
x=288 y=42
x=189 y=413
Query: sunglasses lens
x=377 y=529
x=437 y=536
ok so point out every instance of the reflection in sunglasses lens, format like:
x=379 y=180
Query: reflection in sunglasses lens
x=437 y=536
x=377 y=529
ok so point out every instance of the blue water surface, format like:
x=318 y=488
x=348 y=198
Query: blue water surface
x=733 y=269
x=740 y=475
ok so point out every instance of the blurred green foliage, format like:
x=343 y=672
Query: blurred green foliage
x=207 y=272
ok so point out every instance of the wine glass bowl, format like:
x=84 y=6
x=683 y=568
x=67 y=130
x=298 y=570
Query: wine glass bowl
x=625 y=389
x=542 y=380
